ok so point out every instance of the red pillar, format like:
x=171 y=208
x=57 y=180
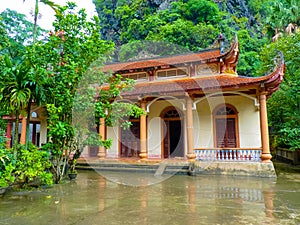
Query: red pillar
x=190 y=129
x=23 y=131
x=102 y=136
x=8 y=134
x=143 y=134
x=266 y=155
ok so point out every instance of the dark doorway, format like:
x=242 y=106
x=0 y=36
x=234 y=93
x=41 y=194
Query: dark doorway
x=173 y=140
x=176 y=137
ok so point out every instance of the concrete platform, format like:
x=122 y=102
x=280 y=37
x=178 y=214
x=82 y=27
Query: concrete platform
x=180 y=166
x=253 y=169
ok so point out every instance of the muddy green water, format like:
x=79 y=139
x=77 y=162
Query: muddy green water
x=122 y=198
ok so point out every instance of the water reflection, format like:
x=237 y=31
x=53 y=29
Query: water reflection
x=93 y=199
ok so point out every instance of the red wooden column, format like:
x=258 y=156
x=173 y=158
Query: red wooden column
x=8 y=133
x=266 y=155
x=23 y=131
x=143 y=134
x=102 y=136
x=190 y=129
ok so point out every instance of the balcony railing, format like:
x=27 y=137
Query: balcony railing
x=228 y=154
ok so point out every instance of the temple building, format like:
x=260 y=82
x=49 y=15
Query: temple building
x=197 y=109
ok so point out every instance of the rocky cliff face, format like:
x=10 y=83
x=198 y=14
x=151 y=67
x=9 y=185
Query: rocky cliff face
x=239 y=8
x=111 y=25
x=161 y=4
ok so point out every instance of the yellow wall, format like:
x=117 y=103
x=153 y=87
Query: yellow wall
x=248 y=118
x=248 y=124
x=155 y=125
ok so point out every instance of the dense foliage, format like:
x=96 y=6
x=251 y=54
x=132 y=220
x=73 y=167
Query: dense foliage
x=284 y=105
x=73 y=54
x=48 y=73
x=191 y=24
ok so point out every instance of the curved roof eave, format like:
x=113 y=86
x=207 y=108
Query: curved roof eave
x=270 y=82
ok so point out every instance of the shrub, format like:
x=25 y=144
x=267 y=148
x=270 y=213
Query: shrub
x=6 y=162
x=32 y=166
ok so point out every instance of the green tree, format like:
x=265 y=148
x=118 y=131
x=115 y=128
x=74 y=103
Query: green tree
x=115 y=16
x=18 y=36
x=73 y=46
x=283 y=17
x=284 y=105
x=51 y=4
x=198 y=11
x=34 y=84
x=186 y=34
x=15 y=93
x=72 y=49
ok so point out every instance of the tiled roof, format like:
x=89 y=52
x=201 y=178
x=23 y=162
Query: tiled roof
x=205 y=56
x=202 y=84
x=197 y=84
x=163 y=61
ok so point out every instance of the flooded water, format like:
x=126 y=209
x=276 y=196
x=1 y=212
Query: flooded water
x=122 y=198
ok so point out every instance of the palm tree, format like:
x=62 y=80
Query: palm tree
x=51 y=4
x=285 y=18
x=293 y=13
x=14 y=91
x=34 y=83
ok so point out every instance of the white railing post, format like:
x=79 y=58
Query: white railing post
x=242 y=155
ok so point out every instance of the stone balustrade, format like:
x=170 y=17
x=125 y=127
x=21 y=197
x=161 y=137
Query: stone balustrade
x=228 y=154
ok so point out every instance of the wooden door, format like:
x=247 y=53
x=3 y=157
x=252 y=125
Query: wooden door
x=130 y=141
x=226 y=133
x=93 y=151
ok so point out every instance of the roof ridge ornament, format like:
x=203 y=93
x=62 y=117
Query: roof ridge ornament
x=230 y=59
x=221 y=40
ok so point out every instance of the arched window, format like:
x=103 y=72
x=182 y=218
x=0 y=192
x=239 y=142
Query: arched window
x=34 y=115
x=226 y=133
x=172 y=113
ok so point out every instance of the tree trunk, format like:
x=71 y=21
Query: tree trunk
x=28 y=122
x=36 y=13
x=16 y=135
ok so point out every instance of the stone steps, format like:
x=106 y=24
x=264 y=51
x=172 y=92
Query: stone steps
x=253 y=169
x=165 y=168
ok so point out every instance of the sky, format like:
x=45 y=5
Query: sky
x=46 y=12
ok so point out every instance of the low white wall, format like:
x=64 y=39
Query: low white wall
x=154 y=137
x=113 y=133
x=43 y=132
